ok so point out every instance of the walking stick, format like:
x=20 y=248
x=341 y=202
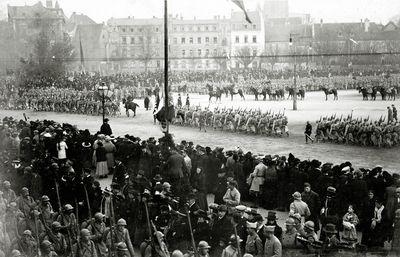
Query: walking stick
x=191 y=232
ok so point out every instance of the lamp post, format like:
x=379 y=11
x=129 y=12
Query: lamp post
x=103 y=90
x=166 y=65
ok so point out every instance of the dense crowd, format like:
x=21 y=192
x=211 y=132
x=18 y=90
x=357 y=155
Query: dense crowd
x=233 y=120
x=52 y=204
x=360 y=131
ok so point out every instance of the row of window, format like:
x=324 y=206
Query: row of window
x=195 y=28
x=246 y=39
x=139 y=40
x=199 y=53
x=200 y=40
x=135 y=29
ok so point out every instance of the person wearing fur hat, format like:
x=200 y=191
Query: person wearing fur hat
x=253 y=242
x=272 y=221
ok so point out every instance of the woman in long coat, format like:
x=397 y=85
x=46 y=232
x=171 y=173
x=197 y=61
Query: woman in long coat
x=110 y=150
x=101 y=161
x=199 y=183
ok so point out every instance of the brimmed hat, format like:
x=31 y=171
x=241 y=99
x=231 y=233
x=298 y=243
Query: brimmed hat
x=309 y=225
x=330 y=228
x=290 y=221
x=241 y=208
x=271 y=215
x=158 y=177
x=296 y=196
x=27 y=233
x=203 y=245
x=121 y=246
x=234 y=239
x=331 y=190
x=86 y=144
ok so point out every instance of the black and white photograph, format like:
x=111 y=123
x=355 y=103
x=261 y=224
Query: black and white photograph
x=199 y=128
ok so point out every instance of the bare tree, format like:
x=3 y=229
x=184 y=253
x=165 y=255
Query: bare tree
x=147 y=51
x=221 y=58
x=270 y=55
x=245 y=56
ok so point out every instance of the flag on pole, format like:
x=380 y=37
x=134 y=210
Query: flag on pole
x=240 y=3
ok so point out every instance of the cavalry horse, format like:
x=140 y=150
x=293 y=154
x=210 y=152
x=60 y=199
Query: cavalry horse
x=254 y=91
x=300 y=93
x=328 y=91
x=368 y=92
x=232 y=92
x=129 y=104
x=217 y=94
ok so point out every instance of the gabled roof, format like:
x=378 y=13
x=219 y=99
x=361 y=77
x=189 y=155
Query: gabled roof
x=78 y=19
x=33 y=12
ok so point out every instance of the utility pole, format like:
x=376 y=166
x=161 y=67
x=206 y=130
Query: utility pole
x=292 y=43
x=166 y=65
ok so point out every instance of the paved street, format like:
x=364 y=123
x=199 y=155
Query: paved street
x=310 y=109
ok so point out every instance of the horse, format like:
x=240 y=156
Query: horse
x=217 y=94
x=130 y=105
x=255 y=92
x=300 y=93
x=330 y=92
x=392 y=92
x=366 y=93
x=240 y=92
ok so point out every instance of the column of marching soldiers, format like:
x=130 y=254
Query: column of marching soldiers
x=160 y=204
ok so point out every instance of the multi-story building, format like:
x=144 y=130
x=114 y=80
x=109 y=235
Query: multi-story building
x=28 y=21
x=135 y=44
x=247 y=39
x=199 y=44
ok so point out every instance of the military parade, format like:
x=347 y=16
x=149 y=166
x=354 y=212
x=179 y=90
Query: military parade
x=268 y=130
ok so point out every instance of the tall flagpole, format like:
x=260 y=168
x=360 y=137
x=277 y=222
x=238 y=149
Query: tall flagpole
x=166 y=64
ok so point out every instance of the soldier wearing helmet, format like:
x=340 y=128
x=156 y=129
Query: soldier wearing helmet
x=26 y=244
x=46 y=248
x=99 y=230
x=58 y=240
x=46 y=210
x=85 y=247
x=121 y=235
x=68 y=221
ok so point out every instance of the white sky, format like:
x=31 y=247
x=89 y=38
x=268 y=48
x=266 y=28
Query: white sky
x=329 y=10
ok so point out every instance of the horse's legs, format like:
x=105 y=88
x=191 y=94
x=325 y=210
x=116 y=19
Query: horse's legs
x=127 y=112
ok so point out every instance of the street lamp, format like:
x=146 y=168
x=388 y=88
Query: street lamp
x=103 y=91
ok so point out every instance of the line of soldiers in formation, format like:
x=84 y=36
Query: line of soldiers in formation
x=234 y=120
x=60 y=100
x=358 y=131
x=35 y=228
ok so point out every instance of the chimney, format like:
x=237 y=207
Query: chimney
x=366 y=25
x=49 y=3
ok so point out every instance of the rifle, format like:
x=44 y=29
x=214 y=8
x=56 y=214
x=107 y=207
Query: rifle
x=112 y=222
x=161 y=252
x=62 y=214
x=88 y=204
x=191 y=232
x=148 y=223
x=237 y=241
x=37 y=236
